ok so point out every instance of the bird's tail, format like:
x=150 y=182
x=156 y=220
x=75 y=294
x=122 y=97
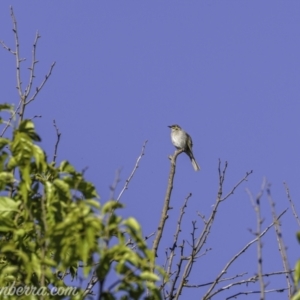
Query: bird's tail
x=195 y=165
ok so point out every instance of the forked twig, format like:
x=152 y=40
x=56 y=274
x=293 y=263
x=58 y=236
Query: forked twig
x=38 y=89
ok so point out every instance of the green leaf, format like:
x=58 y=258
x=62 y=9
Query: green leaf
x=146 y=275
x=27 y=127
x=133 y=224
x=298 y=236
x=12 y=163
x=297 y=273
x=26 y=178
x=3 y=159
x=21 y=148
x=4 y=142
x=87 y=189
x=73 y=271
x=40 y=158
x=66 y=167
x=6 y=178
x=296 y=296
x=6 y=106
x=93 y=203
x=103 y=267
x=8 y=205
x=110 y=206
x=50 y=190
x=63 y=188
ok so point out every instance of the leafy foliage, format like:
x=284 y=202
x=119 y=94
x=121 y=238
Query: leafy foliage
x=52 y=225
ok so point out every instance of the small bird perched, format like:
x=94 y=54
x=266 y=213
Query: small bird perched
x=182 y=140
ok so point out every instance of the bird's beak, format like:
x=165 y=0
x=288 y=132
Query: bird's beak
x=170 y=126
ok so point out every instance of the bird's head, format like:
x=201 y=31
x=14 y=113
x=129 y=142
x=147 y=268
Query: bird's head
x=175 y=127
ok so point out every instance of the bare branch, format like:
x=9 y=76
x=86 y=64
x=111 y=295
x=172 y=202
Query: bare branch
x=211 y=282
x=251 y=279
x=58 y=134
x=7 y=48
x=114 y=185
x=259 y=221
x=147 y=237
x=236 y=186
x=11 y=118
x=33 y=63
x=23 y=95
x=38 y=89
x=94 y=279
x=202 y=217
x=133 y=172
x=176 y=235
x=287 y=190
x=17 y=54
x=177 y=273
x=209 y=293
x=35 y=117
x=202 y=239
x=166 y=207
x=208 y=224
x=256 y=292
x=281 y=246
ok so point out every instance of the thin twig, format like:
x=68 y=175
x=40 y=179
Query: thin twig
x=251 y=279
x=255 y=292
x=177 y=272
x=114 y=185
x=11 y=118
x=33 y=63
x=235 y=187
x=134 y=245
x=7 y=48
x=133 y=171
x=176 y=235
x=58 y=134
x=17 y=54
x=259 y=221
x=211 y=282
x=147 y=237
x=38 y=89
x=287 y=190
x=281 y=246
x=36 y=116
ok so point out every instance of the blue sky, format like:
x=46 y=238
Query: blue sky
x=226 y=71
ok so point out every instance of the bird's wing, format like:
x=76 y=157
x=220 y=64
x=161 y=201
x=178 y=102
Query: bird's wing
x=189 y=143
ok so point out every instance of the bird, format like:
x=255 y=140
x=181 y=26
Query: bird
x=182 y=140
